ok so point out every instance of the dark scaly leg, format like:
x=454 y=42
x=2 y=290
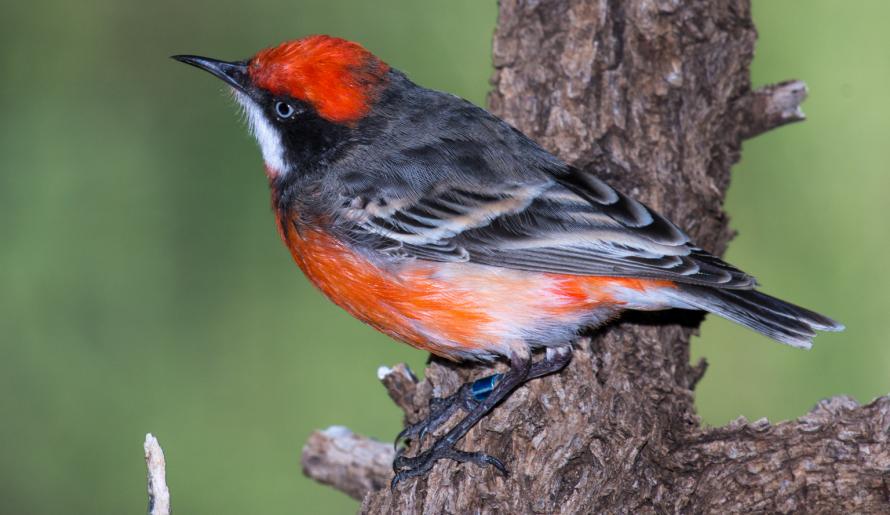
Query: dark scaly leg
x=441 y=408
x=478 y=399
x=471 y=394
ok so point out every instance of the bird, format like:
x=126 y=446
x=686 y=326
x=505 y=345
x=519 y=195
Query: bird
x=444 y=227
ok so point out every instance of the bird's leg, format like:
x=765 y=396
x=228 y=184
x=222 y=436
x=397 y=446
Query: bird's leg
x=470 y=394
x=478 y=398
x=520 y=366
x=441 y=409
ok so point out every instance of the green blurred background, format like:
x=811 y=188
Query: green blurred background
x=143 y=286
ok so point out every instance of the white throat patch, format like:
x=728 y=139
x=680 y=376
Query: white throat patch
x=268 y=138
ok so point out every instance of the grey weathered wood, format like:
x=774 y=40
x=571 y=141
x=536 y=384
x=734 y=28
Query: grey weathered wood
x=158 y=493
x=349 y=462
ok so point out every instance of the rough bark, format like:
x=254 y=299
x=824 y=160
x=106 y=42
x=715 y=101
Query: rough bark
x=655 y=97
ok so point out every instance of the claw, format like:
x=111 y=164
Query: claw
x=406 y=474
x=403 y=435
x=408 y=467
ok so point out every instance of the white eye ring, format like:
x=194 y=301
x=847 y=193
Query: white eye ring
x=284 y=110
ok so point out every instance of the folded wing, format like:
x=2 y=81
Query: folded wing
x=565 y=223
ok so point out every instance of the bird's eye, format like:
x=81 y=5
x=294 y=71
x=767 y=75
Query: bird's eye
x=284 y=110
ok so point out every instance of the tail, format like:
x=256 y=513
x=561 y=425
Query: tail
x=775 y=318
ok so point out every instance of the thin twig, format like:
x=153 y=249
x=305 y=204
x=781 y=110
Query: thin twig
x=158 y=493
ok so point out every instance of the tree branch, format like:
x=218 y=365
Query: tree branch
x=158 y=493
x=771 y=107
x=348 y=462
x=835 y=458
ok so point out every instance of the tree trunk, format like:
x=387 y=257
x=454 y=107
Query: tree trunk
x=654 y=96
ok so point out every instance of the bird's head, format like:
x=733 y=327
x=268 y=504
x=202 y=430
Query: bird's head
x=301 y=97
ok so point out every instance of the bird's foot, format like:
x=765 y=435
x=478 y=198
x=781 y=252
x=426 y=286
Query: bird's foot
x=442 y=408
x=407 y=467
x=478 y=399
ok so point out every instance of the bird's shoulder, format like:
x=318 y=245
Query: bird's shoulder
x=418 y=138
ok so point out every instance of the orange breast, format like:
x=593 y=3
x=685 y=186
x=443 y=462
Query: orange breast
x=449 y=309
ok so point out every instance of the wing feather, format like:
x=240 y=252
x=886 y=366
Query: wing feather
x=568 y=223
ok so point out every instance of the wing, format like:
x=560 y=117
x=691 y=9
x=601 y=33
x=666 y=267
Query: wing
x=568 y=222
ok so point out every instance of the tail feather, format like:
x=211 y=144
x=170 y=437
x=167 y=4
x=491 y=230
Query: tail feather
x=768 y=315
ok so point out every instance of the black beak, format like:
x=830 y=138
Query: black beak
x=234 y=74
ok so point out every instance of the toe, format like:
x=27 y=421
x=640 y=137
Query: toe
x=479 y=458
x=421 y=469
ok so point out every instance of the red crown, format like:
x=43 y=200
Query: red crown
x=339 y=78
